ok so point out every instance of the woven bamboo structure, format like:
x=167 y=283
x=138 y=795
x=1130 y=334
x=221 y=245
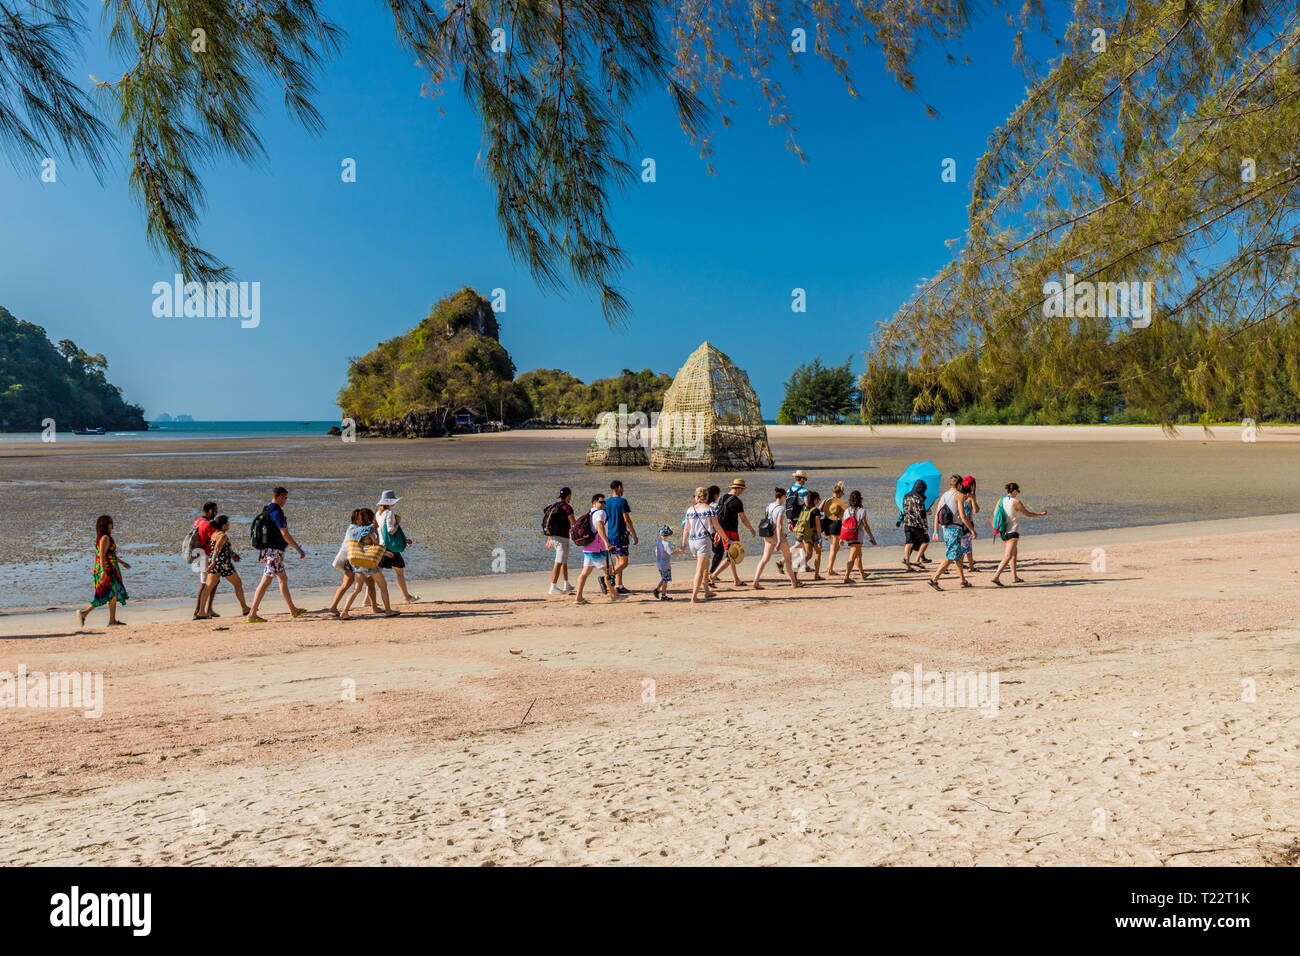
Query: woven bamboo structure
x=613 y=448
x=711 y=419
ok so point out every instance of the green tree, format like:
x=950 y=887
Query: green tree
x=39 y=380
x=552 y=92
x=818 y=392
x=1159 y=148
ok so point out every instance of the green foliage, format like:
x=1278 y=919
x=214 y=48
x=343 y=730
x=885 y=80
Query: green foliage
x=39 y=381
x=451 y=358
x=1164 y=155
x=553 y=98
x=816 y=392
x=558 y=396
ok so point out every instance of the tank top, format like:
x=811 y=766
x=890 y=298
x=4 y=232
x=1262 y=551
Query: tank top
x=1012 y=518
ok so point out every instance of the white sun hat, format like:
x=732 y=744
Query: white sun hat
x=388 y=498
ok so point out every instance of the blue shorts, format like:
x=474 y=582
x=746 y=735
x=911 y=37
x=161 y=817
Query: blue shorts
x=665 y=574
x=618 y=547
x=595 y=559
x=952 y=542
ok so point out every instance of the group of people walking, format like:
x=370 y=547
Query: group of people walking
x=798 y=528
x=372 y=544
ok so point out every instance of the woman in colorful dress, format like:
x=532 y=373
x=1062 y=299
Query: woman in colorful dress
x=109 y=588
x=222 y=565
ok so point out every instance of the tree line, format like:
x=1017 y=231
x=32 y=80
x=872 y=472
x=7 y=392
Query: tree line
x=39 y=381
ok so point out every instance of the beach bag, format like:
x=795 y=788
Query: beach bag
x=849 y=526
x=792 y=506
x=583 y=534
x=798 y=561
x=395 y=542
x=259 y=532
x=554 y=521
x=191 y=543
x=341 y=559
x=766 y=529
x=999 y=521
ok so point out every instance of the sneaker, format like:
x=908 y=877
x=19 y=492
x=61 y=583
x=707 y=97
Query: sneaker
x=622 y=590
x=569 y=588
x=555 y=590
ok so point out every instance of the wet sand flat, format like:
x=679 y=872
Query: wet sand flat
x=473 y=503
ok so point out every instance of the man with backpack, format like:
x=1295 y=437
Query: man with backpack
x=199 y=539
x=590 y=533
x=270 y=536
x=557 y=523
x=618 y=517
x=795 y=499
x=731 y=512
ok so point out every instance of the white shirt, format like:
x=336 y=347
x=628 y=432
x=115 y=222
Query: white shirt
x=776 y=515
x=860 y=516
x=1012 y=519
x=950 y=499
x=699 y=523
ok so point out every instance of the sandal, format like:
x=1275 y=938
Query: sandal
x=998 y=583
x=934 y=584
x=967 y=584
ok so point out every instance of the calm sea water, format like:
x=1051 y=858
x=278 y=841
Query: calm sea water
x=183 y=430
x=473 y=503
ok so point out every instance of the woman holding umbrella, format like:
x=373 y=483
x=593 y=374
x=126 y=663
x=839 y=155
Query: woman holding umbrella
x=916 y=532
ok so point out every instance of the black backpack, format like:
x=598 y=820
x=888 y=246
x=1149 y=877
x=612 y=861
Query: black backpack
x=727 y=508
x=554 y=521
x=259 y=532
x=792 y=507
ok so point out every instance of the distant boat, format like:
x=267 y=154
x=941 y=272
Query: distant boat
x=88 y=431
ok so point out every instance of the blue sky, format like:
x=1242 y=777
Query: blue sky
x=344 y=265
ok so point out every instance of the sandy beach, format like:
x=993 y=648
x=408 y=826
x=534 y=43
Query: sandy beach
x=1145 y=714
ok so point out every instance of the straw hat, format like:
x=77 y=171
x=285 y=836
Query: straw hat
x=739 y=483
x=800 y=474
x=736 y=552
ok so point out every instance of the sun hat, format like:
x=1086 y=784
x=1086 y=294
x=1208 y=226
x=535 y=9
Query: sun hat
x=665 y=531
x=739 y=483
x=736 y=552
x=388 y=498
x=800 y=474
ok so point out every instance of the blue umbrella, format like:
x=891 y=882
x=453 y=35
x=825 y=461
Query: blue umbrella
x=919 y=471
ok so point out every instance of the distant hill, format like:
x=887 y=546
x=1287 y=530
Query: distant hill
x=414 y=383
x=39 y=380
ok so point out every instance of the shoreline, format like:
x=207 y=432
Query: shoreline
x=516 y=585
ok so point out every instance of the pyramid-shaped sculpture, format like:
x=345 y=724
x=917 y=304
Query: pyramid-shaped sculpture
x=711 y=419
